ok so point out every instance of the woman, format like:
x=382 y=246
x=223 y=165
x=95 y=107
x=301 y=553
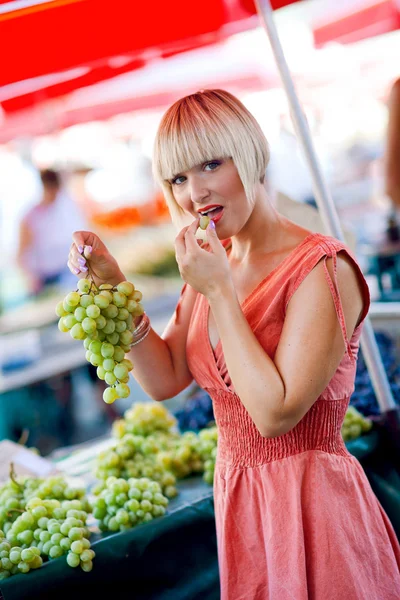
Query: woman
x=268 y=324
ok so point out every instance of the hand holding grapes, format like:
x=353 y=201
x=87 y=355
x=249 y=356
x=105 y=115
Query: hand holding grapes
x=103 y=266
x=206 y=272
x=103 y=312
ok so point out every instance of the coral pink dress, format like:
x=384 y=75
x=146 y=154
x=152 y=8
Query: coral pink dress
x=296 y=517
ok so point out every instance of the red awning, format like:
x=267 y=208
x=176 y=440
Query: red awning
x=355 y=24
x=104 y=39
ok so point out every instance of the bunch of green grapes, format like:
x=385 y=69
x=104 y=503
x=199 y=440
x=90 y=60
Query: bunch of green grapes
x=354 y=424
x=144 y=418
x=104 y=319
x=51 y=529
x=184 y=456
x=12 y=502
x=208 y=450
x=55 y=488
x=135 y=456
x=123 y=504
x=14 y=560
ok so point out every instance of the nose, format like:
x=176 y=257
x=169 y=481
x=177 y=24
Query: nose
x=198 y=191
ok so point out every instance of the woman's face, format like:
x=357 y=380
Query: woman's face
x=214 y=188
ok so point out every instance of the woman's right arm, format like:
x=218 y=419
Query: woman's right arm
x=160 y=365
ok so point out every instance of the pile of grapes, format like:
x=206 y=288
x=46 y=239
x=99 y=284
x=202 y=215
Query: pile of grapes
x=122 y=503
x=104 y=319
x=354 y=424
x=148 y=445
x=363 y=398
x=196 y=413
x=42 y=519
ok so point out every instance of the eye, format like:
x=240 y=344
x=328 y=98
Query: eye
x=178 y=180
x=211 y=166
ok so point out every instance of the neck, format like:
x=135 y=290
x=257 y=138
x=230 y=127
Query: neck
x=262 y=232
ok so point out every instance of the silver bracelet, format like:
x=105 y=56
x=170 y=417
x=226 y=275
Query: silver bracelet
x=141 y=331
x=142 y=338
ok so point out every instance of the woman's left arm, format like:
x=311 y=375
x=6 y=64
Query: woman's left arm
x=276 y=393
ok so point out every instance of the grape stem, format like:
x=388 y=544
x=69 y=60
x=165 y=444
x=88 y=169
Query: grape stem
x=24 y=437
x=11 y=510
x=13 y=477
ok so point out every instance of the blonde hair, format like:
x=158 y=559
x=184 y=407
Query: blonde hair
x=203 y=126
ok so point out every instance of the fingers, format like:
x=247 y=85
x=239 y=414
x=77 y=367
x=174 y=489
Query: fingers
x=213 y=239
x=190 y=236
x=180 y=245
x=76 y=262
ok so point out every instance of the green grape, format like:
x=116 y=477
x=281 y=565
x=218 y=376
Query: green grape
x=119 y=299
x=101 y=372
x=68 y=307
x=105 y=286
x=88 y=324
x=109 y=327
x=131 y=305
x=101 y=301
x=69 y=321
x=96 y=360
x=137 y=296
x=113 y=338
x=77 y=332
x=123 y=314
x=126 y=287
x=126 y=338
x=93 y=311
x=95 y=346
x=77 y=547
x=119 y=353
x=73 y=298
x=110 y=378
x=109 y=364
x=120 y=326
x=106 y=294
x=107 y=350
x=138 y=310
x=109 y=395
x=61 y=326
x=120 y=371
x=101 y=322
x=80 y=314
x=110 y=312
x=73 y=559
x=122 y=390
x=84 y=286
x=127 y=363
x=60 y=310
x=87 y=566
x=86 y=300
x=204 y=222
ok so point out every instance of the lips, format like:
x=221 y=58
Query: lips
x=209 y=209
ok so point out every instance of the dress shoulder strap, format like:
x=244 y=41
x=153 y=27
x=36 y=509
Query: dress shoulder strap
x=324 y=248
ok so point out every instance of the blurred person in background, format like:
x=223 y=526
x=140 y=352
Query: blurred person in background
x=44 y=235
x=392 y=162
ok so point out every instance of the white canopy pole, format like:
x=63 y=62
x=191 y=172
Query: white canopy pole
x=324 y=201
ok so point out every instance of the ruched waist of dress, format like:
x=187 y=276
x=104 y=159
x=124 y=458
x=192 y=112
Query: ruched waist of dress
x=241 y=444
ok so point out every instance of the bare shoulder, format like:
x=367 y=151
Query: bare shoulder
x=349 y=283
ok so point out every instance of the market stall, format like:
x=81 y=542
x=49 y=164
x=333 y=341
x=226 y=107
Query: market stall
x=174 y=556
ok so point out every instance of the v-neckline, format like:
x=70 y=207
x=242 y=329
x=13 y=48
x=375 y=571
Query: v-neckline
x=249 y=297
